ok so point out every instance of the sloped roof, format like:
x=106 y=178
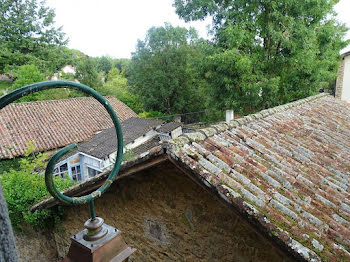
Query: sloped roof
x=53 y=124
x=346 y=54
x=168 y=127
x=5 y=78
x=105 y=143
x=287 y=168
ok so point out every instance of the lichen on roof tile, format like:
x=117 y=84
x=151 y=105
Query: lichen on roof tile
x=291 y=164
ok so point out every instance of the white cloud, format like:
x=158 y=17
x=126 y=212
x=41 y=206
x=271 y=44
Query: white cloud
x=343 y=8
x=112 y=27
x=108 y=27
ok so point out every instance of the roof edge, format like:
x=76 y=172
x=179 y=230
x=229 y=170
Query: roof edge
x=345 y=54
x=211 y=130
x=65 y=99
x=152 y=157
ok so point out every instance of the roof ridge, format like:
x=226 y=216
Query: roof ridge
x=59 y=100
x=213 y=129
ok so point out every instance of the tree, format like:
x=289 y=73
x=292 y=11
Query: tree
x=122 y=64
x=29 y=74
x=87 y=74
x=26 y=75
x=104 y=64
x=292 y=47
x=160 y=70
x=28 y=34
x=116 y=86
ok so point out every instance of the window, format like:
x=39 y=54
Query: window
x=92 y=172
x=76 y=174
x=61 y=170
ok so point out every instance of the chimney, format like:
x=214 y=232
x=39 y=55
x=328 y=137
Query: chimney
x=229 y=115
x=177 y=118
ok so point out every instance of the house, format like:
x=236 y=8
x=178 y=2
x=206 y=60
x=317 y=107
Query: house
x=342 y=90
x=67 y=69
x=271 y=186
x=54 y=124
x=5 y=78
x=98 y=154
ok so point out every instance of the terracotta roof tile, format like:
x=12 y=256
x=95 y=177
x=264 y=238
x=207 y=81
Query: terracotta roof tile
x=288 y=168
x=54 y=124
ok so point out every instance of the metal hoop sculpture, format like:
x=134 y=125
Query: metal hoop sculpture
x=26 y=90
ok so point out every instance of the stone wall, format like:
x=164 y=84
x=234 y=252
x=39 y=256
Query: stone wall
x=168 y=217
x=7 y=243
x=340 y=78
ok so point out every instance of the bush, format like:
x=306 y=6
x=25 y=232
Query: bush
x=26 y=75
x=25 y=187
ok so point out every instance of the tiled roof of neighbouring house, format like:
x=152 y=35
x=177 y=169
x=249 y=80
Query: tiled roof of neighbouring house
x=105 y=143
x=168 y=127
x=53 y=124
x=5 y=78
x=287 y=168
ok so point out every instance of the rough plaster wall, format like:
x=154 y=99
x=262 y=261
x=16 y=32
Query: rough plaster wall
x=346 y=80
x=339 y=83
x=35 y=246
x=167 y=217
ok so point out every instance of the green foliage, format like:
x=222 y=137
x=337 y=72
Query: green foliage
x=7 y=164
x=4 y=87
x=5 y=84
x=122 y=64
x=26 y=186
x=278 y=50
x=129 y=154
x=162 y=70
x=229 y=75
x=26 y=75
x=28 y=35
x=152 y=114
x=116 y=86
x=87 y=74
x=29 y=74
x=104 y=64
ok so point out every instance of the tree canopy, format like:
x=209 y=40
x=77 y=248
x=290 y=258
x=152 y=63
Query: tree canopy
x=28 y=35
x=161 y=69
x=116 y=85
x=279 y=50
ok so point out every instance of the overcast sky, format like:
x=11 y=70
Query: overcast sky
x=112 y=27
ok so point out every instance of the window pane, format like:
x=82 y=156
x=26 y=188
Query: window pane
x=63 y=168
x=92 y=172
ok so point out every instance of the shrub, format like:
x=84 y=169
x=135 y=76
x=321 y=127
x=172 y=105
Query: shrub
x=26 y=186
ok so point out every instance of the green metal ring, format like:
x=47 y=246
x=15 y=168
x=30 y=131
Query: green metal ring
x=26 y=90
